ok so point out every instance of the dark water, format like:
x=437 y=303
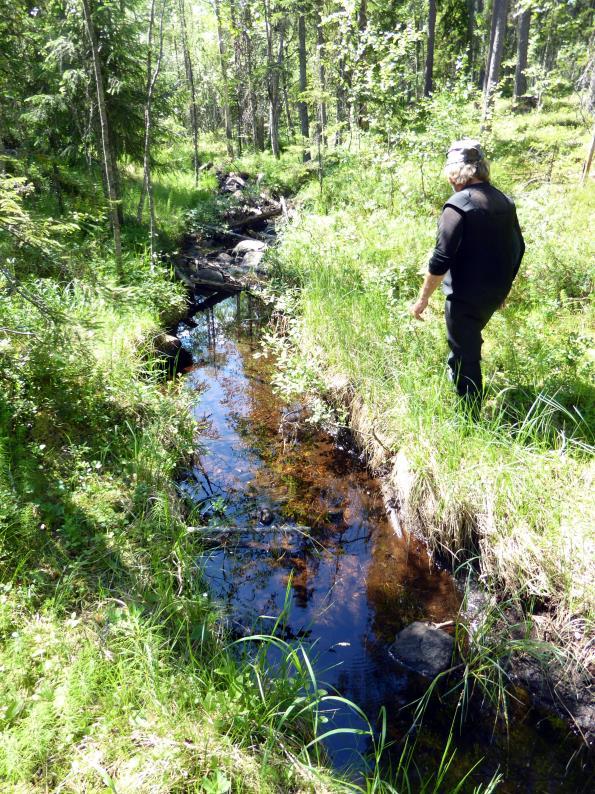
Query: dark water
x=299 y=507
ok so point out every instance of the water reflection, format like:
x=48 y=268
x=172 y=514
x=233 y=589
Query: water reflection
x=310 y=513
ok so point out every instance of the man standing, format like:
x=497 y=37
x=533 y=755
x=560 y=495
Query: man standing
x=478 y=252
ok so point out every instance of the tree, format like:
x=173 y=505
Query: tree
x=108 y=158
x=429 y=74
x=274 y=67
x=191 y=86
x=152 y=75
x=523 y=25
x=302 y=104
x=225 y=82
x=320 y=55
x=498 y=34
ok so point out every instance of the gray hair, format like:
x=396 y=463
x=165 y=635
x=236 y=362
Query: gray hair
x=461 y=173
x=466 y=160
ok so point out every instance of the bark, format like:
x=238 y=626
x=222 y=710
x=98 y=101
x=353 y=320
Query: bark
x=471 y=34
x=429 y=74
x=256 y=127
x=302 y=104
x=274 y=67
x=520 y=79
x=226 y=108
x=495 y=5
x=237 y=60
x=288 y=116
x=322 y=113
x=341 y=102
x=109 y=165
x=499 y=18
x=152 y=75
x=190 y=80
x=589 y=160
x=361 y=109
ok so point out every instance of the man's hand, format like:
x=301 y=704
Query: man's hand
x=417 y=309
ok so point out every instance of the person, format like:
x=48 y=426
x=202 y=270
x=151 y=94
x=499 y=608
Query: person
x=479 y=248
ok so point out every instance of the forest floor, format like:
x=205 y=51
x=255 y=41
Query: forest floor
x=508 y=498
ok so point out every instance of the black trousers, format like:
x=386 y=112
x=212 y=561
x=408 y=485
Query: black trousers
x=464 y=324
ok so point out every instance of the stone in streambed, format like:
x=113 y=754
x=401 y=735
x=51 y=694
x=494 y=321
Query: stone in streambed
x=423 y=649
x=252 y=260
x=169 y=347
x=266 y=516
x=249 y=245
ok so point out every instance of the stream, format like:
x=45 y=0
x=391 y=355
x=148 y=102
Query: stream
x=298 y=505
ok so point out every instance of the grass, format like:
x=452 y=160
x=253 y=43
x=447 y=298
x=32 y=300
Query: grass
x=117 y=673
x=512 y=490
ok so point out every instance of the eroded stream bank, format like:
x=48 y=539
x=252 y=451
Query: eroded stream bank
x=284 y=502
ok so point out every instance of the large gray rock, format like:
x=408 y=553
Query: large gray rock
x=423 y=649
x=252 y=259
x=249 y=245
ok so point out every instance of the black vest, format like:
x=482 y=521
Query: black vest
x=487 y=259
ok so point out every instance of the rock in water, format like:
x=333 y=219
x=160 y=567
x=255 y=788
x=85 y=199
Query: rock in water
x=252 y=259
x=266 y=516
x=423 y=649
x=249 y=245
x=170 y=348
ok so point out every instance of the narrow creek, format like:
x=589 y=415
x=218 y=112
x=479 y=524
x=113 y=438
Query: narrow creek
x=293 y=504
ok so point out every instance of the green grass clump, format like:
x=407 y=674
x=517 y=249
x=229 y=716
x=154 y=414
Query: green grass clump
x=513 y=488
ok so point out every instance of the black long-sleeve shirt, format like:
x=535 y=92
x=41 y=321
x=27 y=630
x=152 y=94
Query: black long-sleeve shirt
x=479 y=246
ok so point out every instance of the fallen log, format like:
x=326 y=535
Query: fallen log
x=249 y=219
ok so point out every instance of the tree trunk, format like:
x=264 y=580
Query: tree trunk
x=302 y=104
x=361 y=109
x=274 y=66
x=499 y=18
x=471 y=35
x=322 y=114
x=520 y=79
x=190 y=81
x=288 y=116
x=257 y=138
x=341 y=100
x=429 y=76
x=108 y=163
x=226 y=108
x=152 y=76
x=495 y=4
x=589 y=160
x=237 y=60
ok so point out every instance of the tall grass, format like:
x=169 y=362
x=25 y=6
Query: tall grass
x=513 y=489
